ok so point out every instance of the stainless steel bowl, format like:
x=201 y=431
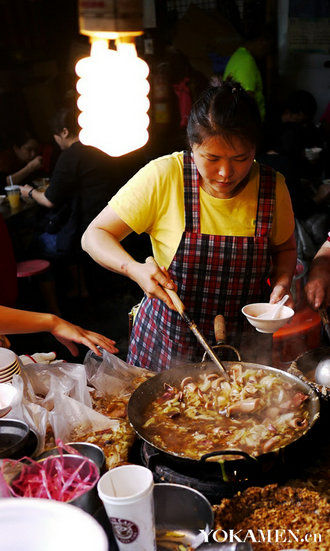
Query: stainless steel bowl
x=89 y=501
x=183 y=511
x=86 y=449
x=13 y=436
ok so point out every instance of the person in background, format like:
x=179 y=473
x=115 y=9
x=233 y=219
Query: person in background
x=289 y=130
x=83 y=181
x=243 y=68
x=217 y=221
x=13 y=321
x=21 y=161
x=318 y=284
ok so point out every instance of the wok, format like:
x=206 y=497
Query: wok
x=154 y=387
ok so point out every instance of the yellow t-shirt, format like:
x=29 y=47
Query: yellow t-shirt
x=153 y=202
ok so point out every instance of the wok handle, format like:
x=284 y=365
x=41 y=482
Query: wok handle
x=220 y=329
x=179 y=306
x=228 y=452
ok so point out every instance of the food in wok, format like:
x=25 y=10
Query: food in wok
x=258 y=411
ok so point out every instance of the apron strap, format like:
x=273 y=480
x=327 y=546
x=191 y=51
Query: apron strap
x=266 y=201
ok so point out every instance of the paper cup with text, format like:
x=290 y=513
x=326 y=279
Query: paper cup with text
x=127 y=496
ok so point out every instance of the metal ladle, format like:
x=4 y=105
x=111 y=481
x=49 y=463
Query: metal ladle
x=322 y=372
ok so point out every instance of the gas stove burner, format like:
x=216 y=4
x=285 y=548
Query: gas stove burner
x=206 y=477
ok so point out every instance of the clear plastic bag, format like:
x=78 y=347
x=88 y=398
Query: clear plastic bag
x=72 y=420
x=33 y=414
x=43 y=381
x=111 y=376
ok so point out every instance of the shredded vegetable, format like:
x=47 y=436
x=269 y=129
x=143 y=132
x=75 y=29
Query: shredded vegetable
x=61 y=477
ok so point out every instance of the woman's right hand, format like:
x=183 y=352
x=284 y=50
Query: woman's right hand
x=153 y=280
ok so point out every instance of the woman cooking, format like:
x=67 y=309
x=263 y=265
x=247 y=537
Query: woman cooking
x=220 y=226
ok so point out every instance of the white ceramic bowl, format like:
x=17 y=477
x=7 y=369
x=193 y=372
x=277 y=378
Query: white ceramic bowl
x=32 y=524
x=7 y=395
x=252 y=311
x=2 y=198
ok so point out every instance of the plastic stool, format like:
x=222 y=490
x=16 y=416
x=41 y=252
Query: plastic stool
x=29 y=268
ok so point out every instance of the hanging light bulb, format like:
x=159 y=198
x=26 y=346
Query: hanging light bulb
x=113 y=87
x=113 y=98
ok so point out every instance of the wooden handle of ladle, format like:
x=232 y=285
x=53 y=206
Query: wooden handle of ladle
x=179 y=306
x=220 y=329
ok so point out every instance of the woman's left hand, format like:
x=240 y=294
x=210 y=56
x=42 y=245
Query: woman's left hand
x=278 y=292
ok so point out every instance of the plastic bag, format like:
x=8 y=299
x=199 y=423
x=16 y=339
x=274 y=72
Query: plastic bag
x=33 y=414
x=111 y=376
x=72 y=420
x=43 y=381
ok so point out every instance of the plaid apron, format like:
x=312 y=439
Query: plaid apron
x=215 y=274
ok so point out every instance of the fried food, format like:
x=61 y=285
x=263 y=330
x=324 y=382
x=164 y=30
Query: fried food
x=299 y=515
x=114 y=443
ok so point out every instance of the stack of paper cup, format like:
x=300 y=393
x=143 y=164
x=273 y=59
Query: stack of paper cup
x=127 y=495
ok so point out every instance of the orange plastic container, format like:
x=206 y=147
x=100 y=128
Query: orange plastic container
x=302 y=333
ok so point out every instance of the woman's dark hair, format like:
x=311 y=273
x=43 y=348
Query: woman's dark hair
x=226 y=110
x=20 y=136
x=65 y=117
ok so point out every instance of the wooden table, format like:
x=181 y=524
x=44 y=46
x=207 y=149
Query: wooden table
x=9 y=213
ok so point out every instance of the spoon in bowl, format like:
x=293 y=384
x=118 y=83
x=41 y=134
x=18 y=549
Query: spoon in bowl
x=276 y=310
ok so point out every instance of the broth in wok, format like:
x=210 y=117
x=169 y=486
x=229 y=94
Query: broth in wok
x=256 y=412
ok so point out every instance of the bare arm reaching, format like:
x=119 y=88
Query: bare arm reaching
x=14 y=321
